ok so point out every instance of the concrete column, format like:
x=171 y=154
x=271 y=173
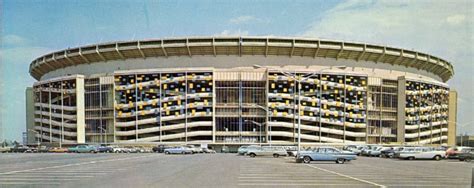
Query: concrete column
x=213 y=107
x=30 y=116
x=80 y=113
x=401 y=110
x=452 y=117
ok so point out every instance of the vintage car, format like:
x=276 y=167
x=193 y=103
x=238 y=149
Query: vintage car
x=324 y=154
x=412 y=153
x=466 y=156
x=179 y=150
x=243 y=149
x=452 y=153
x=83 y=149
x=58 y=150
x=267 y=151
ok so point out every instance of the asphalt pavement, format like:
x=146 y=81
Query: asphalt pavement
x=222 y=170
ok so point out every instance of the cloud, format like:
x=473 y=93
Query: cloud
x=242 y=19
x=440 y=28
x=14 y=40
x=232 y=33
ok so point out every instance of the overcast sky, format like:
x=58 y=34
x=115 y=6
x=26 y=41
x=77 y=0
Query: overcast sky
x=32 y=28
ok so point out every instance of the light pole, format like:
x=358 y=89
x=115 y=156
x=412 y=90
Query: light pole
x=300 y=79
x=102 y=130
x=269 y=128
x=36 y=132
x=260 y=128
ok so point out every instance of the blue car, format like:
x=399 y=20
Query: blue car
x=324 y=154
x=178 y=150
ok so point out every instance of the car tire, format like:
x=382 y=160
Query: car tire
x=184 y=153
x=411 y=158
x=276 y=155
x=437 y=157
x=167 y=152
x=306 y=159
x=467 y=159
x=340 y=161
x=252 y=155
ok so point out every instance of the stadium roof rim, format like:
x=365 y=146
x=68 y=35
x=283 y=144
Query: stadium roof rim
x=241 y=45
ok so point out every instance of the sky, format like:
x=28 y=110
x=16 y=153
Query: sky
x=29 y=29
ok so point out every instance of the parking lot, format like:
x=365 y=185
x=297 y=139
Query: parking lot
x=222 y=170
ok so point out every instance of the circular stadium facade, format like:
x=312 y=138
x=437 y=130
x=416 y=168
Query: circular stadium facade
x=241 y=90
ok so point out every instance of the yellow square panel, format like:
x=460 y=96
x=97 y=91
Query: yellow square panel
x=176 y=113
x=287 y=102
x=285 y=90
x=165 y=105
x=176 y=90
x=325 y=87
x=273 y=105
x=142 y=113
x=340 y=81
x=273 y=86
x=167 y=112
x=313 y=103
x=302 y=113
x=165 y=86
x=179 y=102
x=190 y=85
x=152 y=90
x=336 y=91
x=205 y=102
x=132 y=81
x=128 y=91
x=325 y=106
x=120 y=113
x=311 y=90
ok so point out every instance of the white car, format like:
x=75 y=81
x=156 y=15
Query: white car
x=195 y=149
x=267 y=151
x=412 y=153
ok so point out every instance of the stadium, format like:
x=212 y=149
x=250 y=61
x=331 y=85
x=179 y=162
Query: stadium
x=240 y=90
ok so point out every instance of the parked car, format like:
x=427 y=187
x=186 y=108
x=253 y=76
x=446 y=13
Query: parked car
x=5 y=149
x=390 y=153
x=466 y=156
x=118 y=149
x=267 y=151
x=206 y=150
x=452 y=153
x=42 y=149
x=21 y=149
x=58 y=150
x=130 y=149
x=412 y=153
x=324 y=154
x=366 y=150
x=160 y=148
x=195 y=149
x=358 y=149
x=378 y=152
x=179 y=150
x=83 y=149
x=243 y=149
x=103 y=148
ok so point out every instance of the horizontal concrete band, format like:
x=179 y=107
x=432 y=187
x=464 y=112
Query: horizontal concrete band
x=241 y=46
